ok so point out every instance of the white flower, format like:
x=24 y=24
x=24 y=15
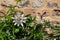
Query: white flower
x=37 y=3
x=19 y=19
x=54 y=38
x=41 y=22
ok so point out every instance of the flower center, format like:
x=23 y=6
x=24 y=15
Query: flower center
x=19 y=18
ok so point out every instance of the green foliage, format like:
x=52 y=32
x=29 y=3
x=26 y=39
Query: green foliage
x=9 y=31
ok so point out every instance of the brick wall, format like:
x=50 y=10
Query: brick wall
x=46 y=8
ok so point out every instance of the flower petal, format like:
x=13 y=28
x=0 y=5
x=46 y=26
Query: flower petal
x=15 y=23
x=21 y=24
x=24 y=21
x=12 y=17
x=22 y=15
x=25 y=17
x=54 y=38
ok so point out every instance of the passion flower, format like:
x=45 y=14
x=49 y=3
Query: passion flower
x=19 y=19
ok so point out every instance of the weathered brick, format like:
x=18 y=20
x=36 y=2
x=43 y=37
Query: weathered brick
x=46 y=12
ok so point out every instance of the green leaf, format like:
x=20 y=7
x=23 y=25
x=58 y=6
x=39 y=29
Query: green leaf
x=16 y=30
